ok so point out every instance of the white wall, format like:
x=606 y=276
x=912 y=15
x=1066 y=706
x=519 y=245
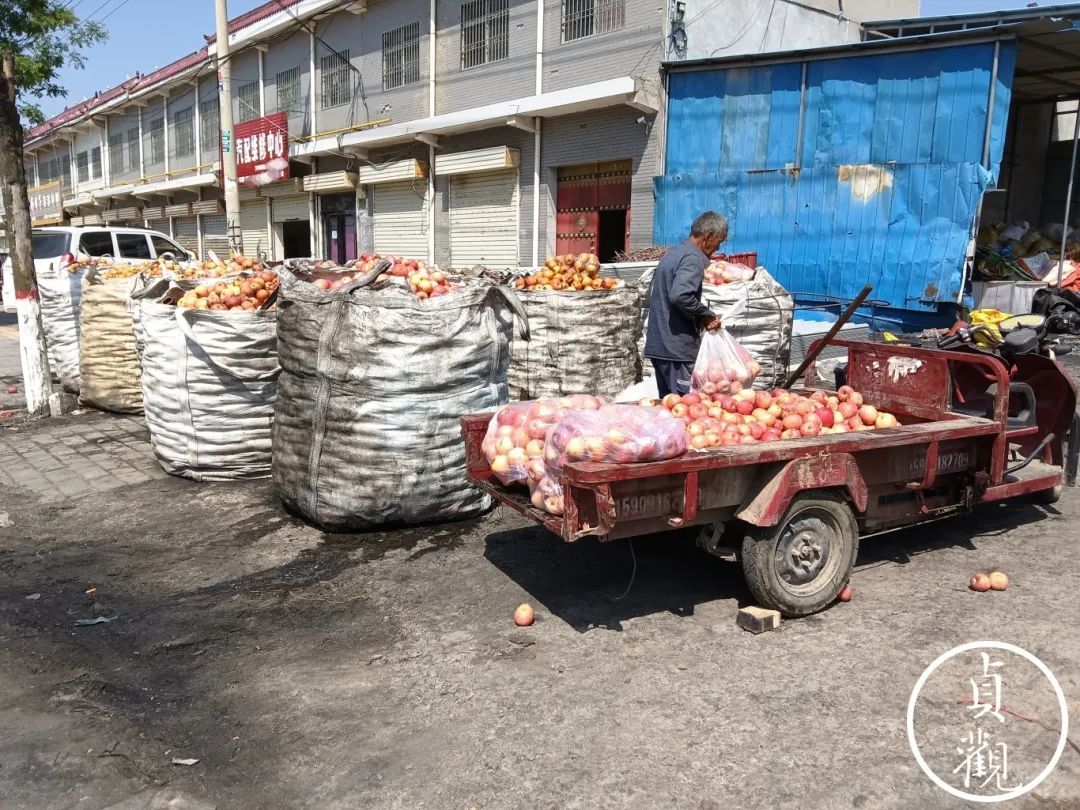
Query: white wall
x=760 y=26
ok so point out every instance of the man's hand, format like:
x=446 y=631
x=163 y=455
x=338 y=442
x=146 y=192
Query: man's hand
x=713 y=325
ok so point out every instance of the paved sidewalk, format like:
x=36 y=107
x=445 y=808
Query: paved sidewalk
x=90 y=452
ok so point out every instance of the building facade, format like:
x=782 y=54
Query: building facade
x=466 y=132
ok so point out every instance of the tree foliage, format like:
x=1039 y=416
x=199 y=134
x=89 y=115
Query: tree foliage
x=43 y=36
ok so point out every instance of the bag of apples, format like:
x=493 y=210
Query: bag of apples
x=374 y=381
x=514 y=444
x=110 y=377
x=620 y=434
x=722 y=365
x=60 y=289
x=209 y=375
x=580 y=340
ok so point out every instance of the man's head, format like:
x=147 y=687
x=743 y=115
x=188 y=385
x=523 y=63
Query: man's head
x=708 y=231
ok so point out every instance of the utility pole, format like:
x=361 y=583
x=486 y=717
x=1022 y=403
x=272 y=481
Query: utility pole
x=37 y=376
x=228 y=146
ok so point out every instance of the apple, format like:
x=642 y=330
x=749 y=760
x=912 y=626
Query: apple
x=500 y=465
x=762 y=399
x=792 y=421
x=979 y=582
x=670 y=401
x=535 y=448
x=845 y=594
x=885 y=420
x=691 y=399
x=524 y=616
x=790 y=434
x=698 y=410
x=998 y=581
x=744 y=407
x=679 y=410
x=844 y=392
x=868 y=414
x=757 y=430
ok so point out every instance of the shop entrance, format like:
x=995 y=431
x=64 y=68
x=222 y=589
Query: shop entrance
x=296 y=239
x=339 y=227
x=593 y=208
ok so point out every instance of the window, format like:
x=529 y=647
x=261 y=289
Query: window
x=116 y=152
x=133 y=149
x=157 y=140
x=184 y=132
x=401 y=56
x=288 y=91
x=82 y=166
x=48 y=245
x=1064 y=120
x=133 y=246
x=163 y=245
x=583 y=18
x=95 y=163
x=485 y=32
x=31 y=174
x=336 y=81
x=248 y=96
x=208 y=125
x=96 y=243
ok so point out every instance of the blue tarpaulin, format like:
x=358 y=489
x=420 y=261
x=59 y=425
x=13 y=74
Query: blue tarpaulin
x=886 y=185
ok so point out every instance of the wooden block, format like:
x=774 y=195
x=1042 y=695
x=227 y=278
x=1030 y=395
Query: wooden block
x=757 y=620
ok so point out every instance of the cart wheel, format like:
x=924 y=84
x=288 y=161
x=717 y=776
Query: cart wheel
x=799 y=566
x=1046 y=497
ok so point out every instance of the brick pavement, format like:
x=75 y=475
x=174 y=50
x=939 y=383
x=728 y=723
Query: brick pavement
x=79 y=455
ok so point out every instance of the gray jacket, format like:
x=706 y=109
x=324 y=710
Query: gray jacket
x=676 y=314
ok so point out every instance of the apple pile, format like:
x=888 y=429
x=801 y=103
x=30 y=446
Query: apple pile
x=722 y=272
x=749 y=416
x=210 y=268
x=246 y=293
x=151 y=268
x=568 y=272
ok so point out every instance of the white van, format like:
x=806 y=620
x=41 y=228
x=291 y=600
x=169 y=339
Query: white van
x=54 y=247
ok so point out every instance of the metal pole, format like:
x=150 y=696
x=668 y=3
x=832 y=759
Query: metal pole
x=990 y=107
x=228 y=147
x=1068 y=194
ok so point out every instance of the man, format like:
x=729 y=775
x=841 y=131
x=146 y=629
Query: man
x=676 y=314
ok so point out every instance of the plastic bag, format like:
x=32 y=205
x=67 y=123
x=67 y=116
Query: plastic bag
x=514 y=442
x=724 y=272
x=622 y=434
x=722 y=365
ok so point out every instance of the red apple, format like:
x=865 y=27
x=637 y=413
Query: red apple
x=825 y=416
x=868 y=414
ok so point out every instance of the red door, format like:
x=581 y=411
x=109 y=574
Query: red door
x=582 y=193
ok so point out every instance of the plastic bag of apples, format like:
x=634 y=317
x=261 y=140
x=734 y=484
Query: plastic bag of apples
x=624 y=434
x=722 y=365
x=514 y=442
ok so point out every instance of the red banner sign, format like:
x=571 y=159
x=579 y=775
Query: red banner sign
x=262 y=150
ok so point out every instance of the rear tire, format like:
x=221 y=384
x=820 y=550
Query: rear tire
x=800 y=565
x=1045 y=497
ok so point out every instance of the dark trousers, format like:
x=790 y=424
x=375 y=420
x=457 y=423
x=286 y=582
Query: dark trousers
x=672 y=376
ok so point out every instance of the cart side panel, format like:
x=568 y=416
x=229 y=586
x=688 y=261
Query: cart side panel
x=899 y=381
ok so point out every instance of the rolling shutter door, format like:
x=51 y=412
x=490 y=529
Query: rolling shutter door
x=253 y=228
x=484 y=220
x=401 y=219
x=215 y=235
x=186 y=233
x=294 y=207
x=159 y=225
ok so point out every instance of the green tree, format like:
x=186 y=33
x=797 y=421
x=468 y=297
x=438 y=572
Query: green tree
x=37 y=39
